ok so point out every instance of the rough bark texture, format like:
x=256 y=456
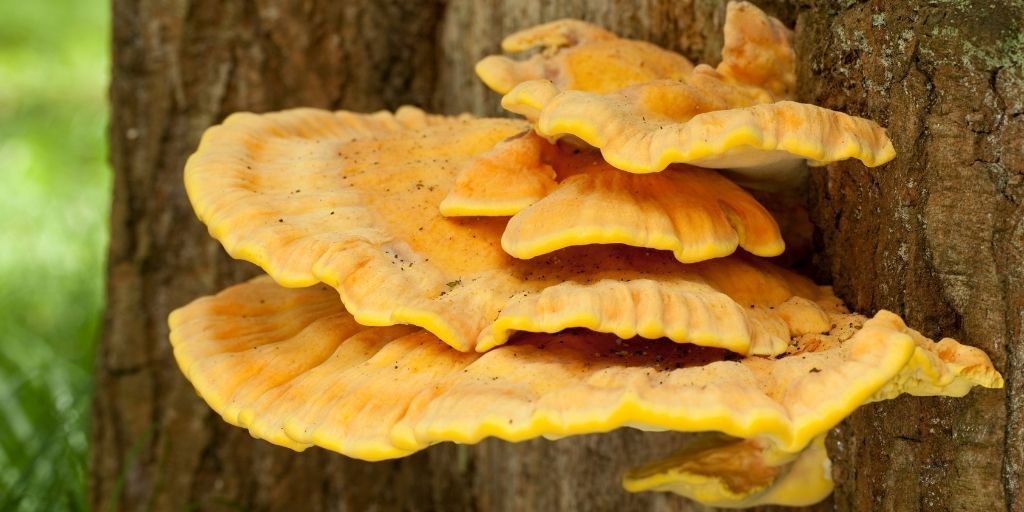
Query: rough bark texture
x=936 y=235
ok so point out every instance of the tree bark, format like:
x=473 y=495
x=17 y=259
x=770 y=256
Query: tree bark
x=937 y=235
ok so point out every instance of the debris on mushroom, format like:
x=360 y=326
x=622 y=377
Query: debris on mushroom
x=294 y=368
x=352 y=201
x=579 y=55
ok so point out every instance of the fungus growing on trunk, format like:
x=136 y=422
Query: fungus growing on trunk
x=609 y=299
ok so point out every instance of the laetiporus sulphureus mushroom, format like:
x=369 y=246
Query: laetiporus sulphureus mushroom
x=593 y=267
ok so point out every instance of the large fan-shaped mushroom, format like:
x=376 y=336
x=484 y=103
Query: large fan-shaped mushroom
x=294 y=368
x=352 y=201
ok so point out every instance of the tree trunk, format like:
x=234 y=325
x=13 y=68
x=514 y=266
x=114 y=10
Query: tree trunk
x=937 y=235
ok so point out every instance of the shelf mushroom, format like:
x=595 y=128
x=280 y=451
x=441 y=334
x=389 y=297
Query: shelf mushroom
x=561 y=195
x=758 y=50
x=293 y=367
x=645 y=128
x=579 y=55
x=609 y=299
x=735 y=117
x=365 y=220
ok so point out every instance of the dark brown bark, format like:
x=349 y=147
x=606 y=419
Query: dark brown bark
x=936 y=235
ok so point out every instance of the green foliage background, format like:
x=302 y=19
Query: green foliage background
x=54 y=196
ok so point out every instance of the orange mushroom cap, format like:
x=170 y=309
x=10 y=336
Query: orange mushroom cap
x=758 y=50
x=560 y=197
x=579 y=55
x=293 y=367
x=647 y=127
x=352 y=201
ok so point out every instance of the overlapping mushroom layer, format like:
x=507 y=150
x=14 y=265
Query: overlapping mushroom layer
x=294 y=368
x=561 y=197
x=581 y=56
x=723 y=471
x=645 y=128
x=577 y=55
x=352 y=201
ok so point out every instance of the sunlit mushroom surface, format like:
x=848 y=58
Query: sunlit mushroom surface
x=293 y=367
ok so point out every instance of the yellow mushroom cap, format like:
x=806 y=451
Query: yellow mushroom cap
x=514 y=174
x=352 y=201
x=703 y=90
x=727 y=117
x=293 y=367
x=579 y=55
x=647 y=127
x=758 y=50
x=695 y=213
x=722 y=471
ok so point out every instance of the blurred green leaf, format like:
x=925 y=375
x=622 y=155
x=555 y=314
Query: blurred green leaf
x=53 y=233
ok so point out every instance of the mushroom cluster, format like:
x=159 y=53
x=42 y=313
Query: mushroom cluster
x=595 y=265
